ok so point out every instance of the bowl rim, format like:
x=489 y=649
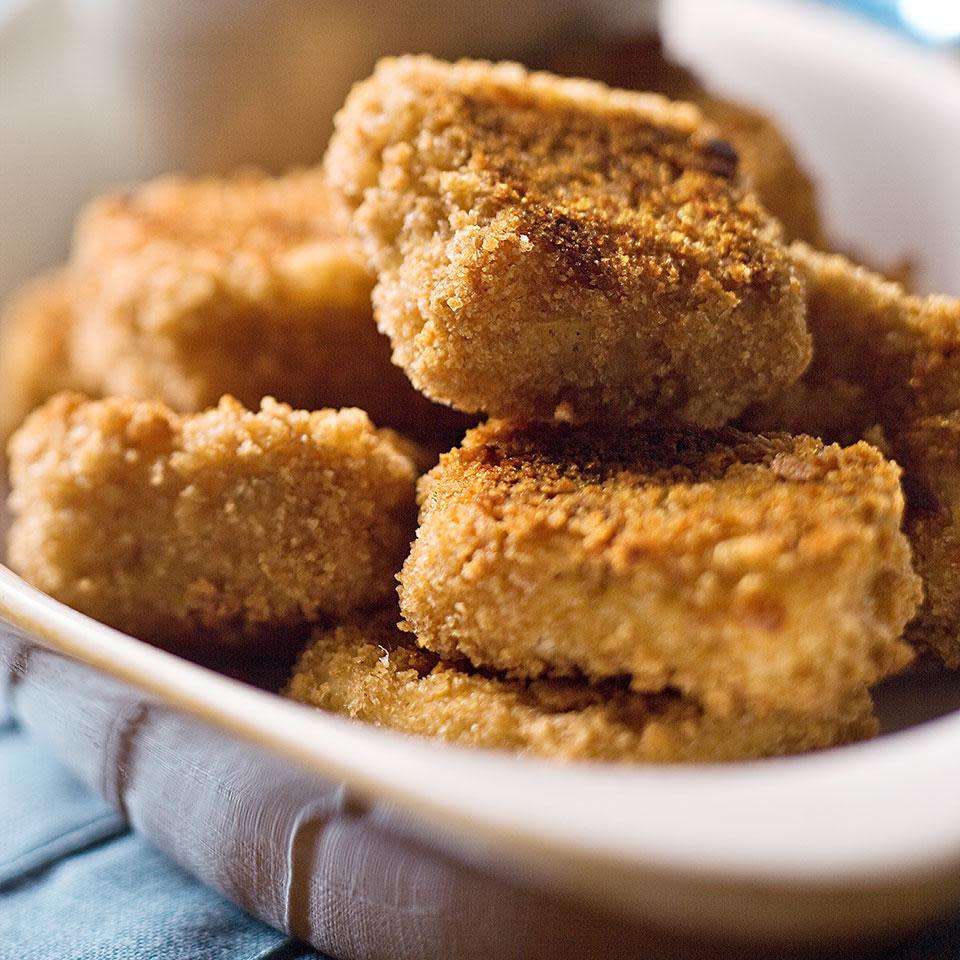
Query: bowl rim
x=860 y=814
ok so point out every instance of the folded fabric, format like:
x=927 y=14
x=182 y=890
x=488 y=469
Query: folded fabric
x=76 y=884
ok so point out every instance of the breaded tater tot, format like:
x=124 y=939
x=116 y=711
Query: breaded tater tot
x=371 y=671
x=34 y=348
x=888 y=363
x=190 y=289
x=751 y=573
x=554 y=248
x=218 y=524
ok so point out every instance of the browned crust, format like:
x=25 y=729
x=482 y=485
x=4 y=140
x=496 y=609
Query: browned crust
x=767 y=159
x=930 y=452
x=549 y=247
x=899 y=354
x=748 y=572
x=370 y=671
x=222 y=523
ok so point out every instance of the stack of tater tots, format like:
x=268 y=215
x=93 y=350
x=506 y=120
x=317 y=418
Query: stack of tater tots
x=685 y=484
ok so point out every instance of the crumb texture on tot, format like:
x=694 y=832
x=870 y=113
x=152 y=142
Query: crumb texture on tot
x=767 y=160
x=549 y=247
x=930 y=453
x=34 y=356
x=749 y=572
x=881 y=355
x=222 y=522
x=371 y=671
x=887 y=364
x=191 y=288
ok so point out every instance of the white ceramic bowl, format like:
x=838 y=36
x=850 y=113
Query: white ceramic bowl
x=245 y=789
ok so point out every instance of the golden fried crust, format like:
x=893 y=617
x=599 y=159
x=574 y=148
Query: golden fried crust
x=898 y=354
x=769 y=165
x=188 y=289
x=550 y=247
x=930 y=453
x=883 y=357
x=904 y=350
x=223 y=522
x=367 y=670
x=34 y=360
x=767 y=160
x=751 y=573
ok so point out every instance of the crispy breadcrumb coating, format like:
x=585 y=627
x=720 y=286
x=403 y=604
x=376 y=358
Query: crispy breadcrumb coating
x=767 y=159
x=897 y=354
x=930 y=453
x=769 y=166
x=222 y=522
x=888 y=362
x=751 y=573
x=189 y=289
x=548 y=247
x=370 y=671
x=34 y=337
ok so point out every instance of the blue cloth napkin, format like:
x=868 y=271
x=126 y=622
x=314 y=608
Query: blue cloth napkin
x=76 y=884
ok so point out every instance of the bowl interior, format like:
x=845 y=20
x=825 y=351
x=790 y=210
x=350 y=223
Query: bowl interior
x=879 y=128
